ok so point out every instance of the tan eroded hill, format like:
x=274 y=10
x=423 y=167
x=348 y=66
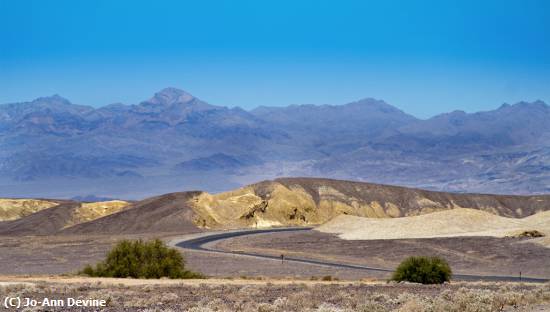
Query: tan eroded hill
x=13 y=209
x=92 y=211
x=64 y=214
x=311 y=201
x=451 y=223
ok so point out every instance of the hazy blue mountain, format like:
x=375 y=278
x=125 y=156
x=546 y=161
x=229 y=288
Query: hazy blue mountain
x=219 y=161
x=91 y=198
x=176 y=141
x=519 y=124
x=379 y=116
x=331 y=129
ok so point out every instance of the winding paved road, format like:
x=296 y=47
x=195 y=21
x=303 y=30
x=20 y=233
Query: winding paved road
x=197 y=243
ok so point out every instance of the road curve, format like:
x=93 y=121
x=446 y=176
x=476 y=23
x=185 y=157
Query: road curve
x=197 y=243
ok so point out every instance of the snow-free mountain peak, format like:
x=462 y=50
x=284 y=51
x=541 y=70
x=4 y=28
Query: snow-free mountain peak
x=169 y=96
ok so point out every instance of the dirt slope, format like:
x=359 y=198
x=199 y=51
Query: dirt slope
x=166 y=213
x=13 y=209
x=65 y=213
x=451 y=223
x=46 y=221
x=307 y=201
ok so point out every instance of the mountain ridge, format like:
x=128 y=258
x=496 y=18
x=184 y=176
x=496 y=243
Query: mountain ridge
x=174 y=138
x=175 y=95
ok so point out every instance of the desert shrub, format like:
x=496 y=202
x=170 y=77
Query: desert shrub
x=327 y=278
x=425 y=270
x=532 y=233
x=139 y=259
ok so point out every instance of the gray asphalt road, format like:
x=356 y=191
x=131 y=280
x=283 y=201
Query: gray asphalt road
x=198 y=243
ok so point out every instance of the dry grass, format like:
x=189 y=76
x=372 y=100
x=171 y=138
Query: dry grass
x=294 y=296
x=451 y=223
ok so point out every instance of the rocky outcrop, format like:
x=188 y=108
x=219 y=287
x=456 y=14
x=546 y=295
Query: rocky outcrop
x=311 y=201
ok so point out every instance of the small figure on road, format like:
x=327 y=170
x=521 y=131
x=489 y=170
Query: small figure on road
x=282 y=258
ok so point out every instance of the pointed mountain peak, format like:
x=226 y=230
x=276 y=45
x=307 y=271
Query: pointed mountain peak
x=457 y=112
x=377 y=105
x=169 y=96
x=369 y=101
x=56 y=98
x=372 y=102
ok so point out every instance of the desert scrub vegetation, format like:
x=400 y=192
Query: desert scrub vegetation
x=322 y=297
x=424 y=270
x=141 y=259
x=530 y=234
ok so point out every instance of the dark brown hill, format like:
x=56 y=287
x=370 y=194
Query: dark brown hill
x=47 y=221
x=166 y=213
x=64 y=214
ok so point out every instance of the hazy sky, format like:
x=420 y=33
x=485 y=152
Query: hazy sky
x=425 y=57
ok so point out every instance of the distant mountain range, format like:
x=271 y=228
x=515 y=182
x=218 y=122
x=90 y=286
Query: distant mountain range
x=52 y=148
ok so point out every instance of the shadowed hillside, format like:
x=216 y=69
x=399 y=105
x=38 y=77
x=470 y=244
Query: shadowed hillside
x=166 y=213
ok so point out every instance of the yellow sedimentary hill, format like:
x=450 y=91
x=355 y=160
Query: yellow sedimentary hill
x=91 y=211
x=311 y=201
x=451 y=223
x=274 y=204
x=13 y=209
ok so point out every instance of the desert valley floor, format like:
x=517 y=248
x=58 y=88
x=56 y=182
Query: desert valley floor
x=336 y=237
x=467 y=255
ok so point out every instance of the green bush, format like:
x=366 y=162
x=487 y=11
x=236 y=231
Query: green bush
x=139 y=259
x=425 y=270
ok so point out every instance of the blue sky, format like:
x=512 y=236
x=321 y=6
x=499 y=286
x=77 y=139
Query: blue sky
x=425 y=57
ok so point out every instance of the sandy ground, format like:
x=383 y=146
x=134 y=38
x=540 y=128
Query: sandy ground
x=252 y=284
x=466 y=255
x=52 y=254
x=449 y=223
x=39 y=255
x=243 y=266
